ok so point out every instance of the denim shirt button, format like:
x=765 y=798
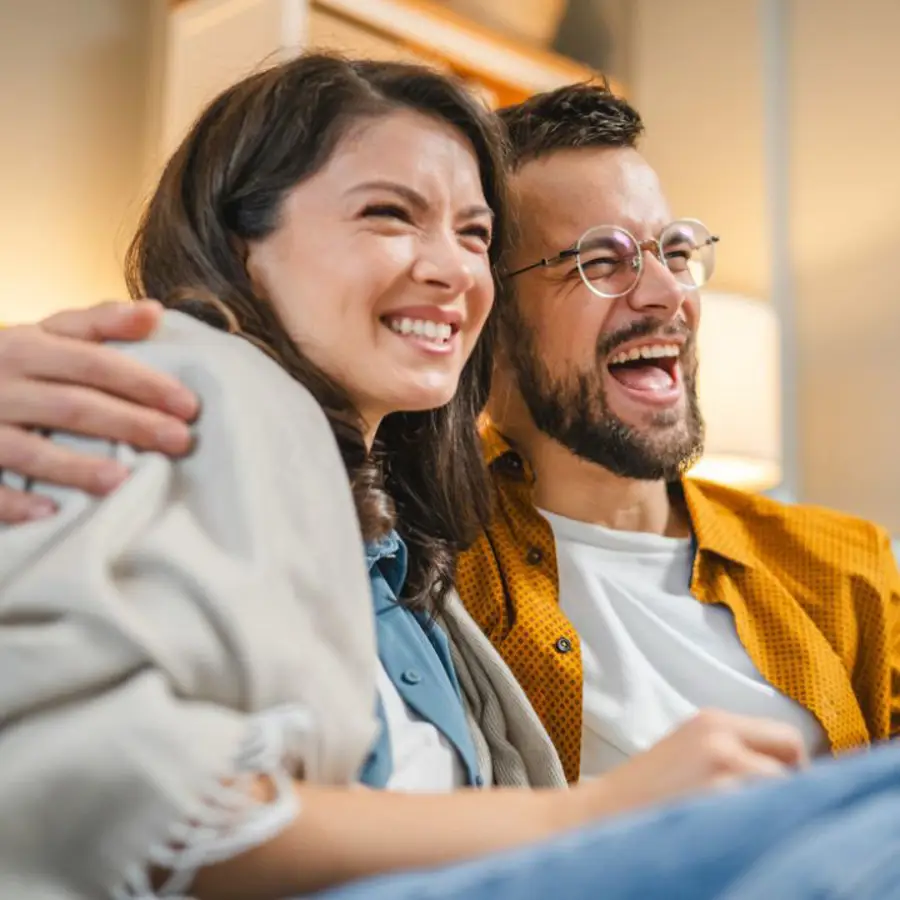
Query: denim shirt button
x=410 y=676
x=479 y=781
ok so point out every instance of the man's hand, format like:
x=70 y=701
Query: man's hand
x=713 y=751
x=57 y=375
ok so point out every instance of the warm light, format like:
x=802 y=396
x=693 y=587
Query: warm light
x=740 y=392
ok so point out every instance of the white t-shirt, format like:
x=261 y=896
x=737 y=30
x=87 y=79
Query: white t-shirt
x=424 y=760
x=653 y=655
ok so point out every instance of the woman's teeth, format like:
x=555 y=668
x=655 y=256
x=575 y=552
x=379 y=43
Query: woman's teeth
x=439 y=332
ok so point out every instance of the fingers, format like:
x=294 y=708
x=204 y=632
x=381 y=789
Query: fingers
x=58 y=376
x=747 y=764
x=16 y=507
x=110 y=321
x=775 y=740
x=85 y=411
x=33 y=352
x=104 y=368
x=732 y=741
x=34 y=456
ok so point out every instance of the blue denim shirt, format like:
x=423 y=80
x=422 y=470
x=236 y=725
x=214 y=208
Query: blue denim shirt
x=416 y=656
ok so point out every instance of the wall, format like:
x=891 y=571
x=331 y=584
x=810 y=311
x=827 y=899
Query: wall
x=845 y=235
x=777 y=122
x=73 y=106
x=592 y=31
x=695 y=77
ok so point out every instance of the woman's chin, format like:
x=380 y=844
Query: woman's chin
x=423 y=397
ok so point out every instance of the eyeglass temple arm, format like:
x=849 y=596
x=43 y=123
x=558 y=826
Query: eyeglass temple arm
x=573 y=251
x=546 y=261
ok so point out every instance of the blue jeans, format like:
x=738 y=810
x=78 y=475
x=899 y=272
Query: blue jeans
x=831 y=832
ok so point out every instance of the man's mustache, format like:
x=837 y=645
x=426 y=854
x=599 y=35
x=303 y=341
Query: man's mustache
x=646 y=328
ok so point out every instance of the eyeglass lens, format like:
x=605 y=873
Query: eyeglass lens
x=610 y=260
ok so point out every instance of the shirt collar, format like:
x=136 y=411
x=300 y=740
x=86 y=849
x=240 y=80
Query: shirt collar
x=714 y=511
x=499 y=452
x=389 y=555
x=493 y=444
x=718 y=519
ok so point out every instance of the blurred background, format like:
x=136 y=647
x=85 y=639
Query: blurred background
x=777 y=122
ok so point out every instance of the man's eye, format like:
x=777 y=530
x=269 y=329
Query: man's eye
x=386 y=211
x=677 y=260
x=601 y=263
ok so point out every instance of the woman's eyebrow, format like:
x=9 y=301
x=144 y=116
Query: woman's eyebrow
x=414 y=198
x=477 y=209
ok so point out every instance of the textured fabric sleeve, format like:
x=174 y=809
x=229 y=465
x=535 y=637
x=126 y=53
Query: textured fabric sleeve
x=875 y=588
x=207 y=622
x=892 y=600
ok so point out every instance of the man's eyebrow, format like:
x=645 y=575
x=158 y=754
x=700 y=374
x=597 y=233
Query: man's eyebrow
x=414 y=198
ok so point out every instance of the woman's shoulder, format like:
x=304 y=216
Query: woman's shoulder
x=223 y=368
x=263 y=446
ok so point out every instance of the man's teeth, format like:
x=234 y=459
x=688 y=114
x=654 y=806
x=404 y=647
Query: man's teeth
x=439 y=332
x=651 y=351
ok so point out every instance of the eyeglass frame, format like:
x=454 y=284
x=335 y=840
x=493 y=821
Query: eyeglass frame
x=651 y=245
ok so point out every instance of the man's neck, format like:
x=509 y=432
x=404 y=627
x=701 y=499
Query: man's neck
x=586 y=492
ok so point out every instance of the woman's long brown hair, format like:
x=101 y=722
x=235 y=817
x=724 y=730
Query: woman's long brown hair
x=225 y=185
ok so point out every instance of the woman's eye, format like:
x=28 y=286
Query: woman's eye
x=481 y=232
x=386 y=211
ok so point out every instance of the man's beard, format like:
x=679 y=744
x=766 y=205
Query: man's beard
x=574 y=410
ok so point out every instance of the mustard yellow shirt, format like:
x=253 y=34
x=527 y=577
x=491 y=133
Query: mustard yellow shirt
x=815 y=597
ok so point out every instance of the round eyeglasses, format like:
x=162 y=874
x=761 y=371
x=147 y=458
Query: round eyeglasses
x=610 y=259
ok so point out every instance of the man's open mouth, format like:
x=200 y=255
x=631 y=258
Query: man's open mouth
x=649 y=367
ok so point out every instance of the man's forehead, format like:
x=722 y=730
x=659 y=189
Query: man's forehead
x=561 y=195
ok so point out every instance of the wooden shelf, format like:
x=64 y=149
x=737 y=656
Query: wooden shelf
x=507 y=70
x=504 y=70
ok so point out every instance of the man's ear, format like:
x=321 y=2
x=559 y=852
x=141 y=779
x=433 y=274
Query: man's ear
x=506 y=330
x=503 y=382
x=502 y=363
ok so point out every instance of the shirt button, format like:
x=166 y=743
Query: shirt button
x=410 y=676
x=533 y=556
x=563 y=645
x=479 y=781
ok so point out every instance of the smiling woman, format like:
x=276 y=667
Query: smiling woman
x=399 y=172
x=343 y=218
x=411 y=245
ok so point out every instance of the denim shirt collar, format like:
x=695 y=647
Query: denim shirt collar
x=416 y=656
x=390 y=556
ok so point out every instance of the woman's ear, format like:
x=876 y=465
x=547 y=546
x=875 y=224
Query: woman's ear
x=248 y=254
x=239 y=246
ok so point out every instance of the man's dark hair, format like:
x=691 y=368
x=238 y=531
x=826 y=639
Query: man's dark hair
x=577 y=115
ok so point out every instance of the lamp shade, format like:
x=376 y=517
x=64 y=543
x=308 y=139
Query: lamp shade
x=739 y=389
